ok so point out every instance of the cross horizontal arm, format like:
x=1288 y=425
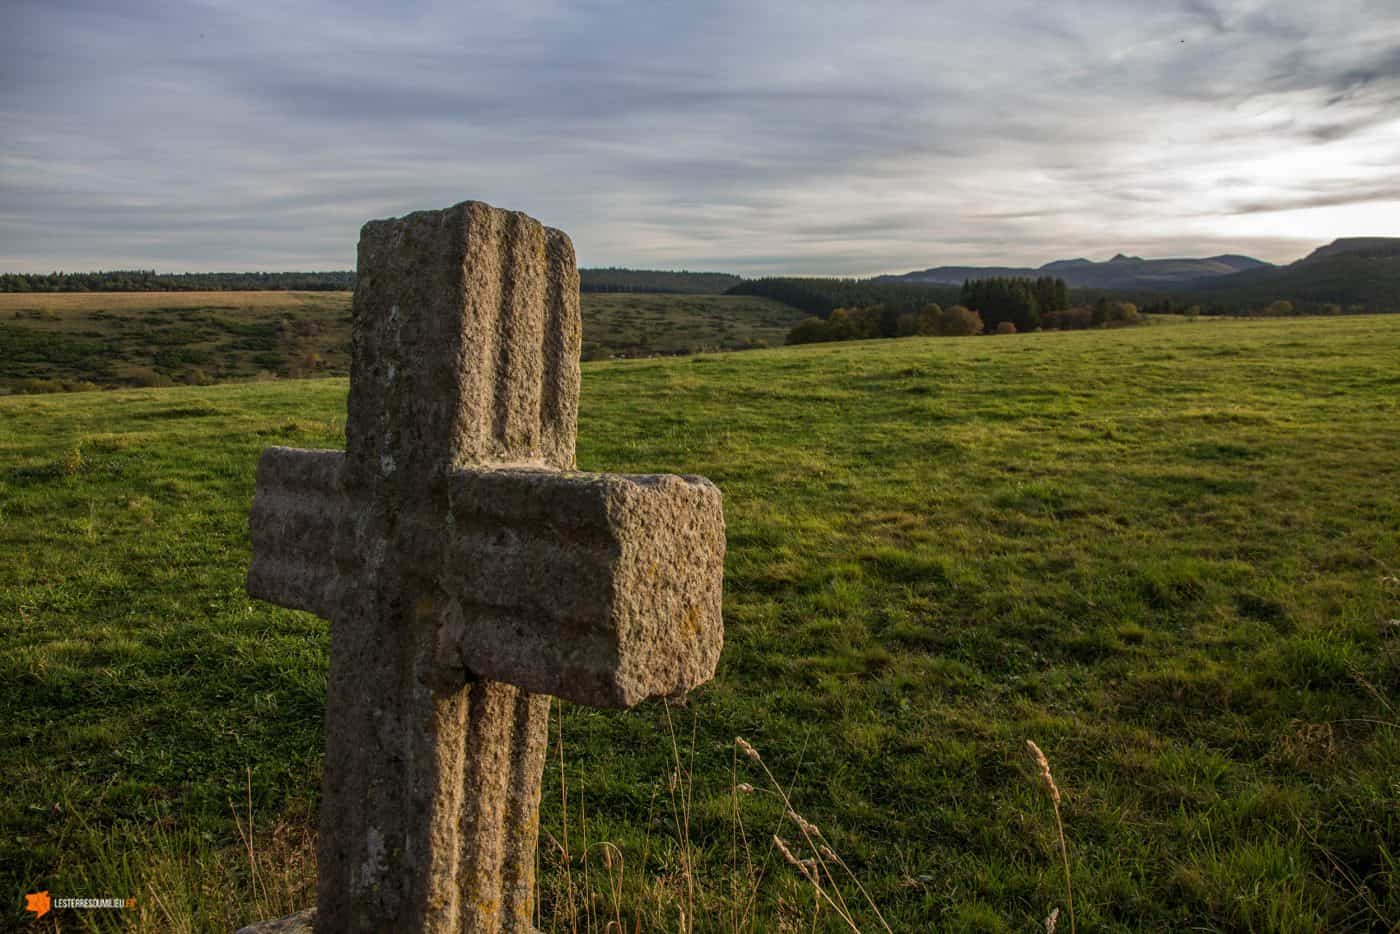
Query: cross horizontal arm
x=603 y=589
x=299 y=499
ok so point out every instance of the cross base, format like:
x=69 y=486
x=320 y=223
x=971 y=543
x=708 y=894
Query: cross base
x=448 y=847
x=303 y=922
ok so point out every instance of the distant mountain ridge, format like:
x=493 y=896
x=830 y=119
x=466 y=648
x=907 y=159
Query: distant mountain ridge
x=1365 y=247
x=1353 y=273
x=1120 y=272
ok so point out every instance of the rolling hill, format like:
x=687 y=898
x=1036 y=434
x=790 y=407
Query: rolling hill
x=1353 y=273
x=1121 y=272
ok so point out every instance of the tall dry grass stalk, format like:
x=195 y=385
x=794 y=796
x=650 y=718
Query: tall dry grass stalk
x=682 y=781
x=572 y=896
x=564 y=818
x=285 y=862
x=1048 y=780
x=816 y=867
x=246 y=834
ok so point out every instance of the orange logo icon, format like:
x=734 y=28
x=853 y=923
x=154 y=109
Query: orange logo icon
x=37 y=903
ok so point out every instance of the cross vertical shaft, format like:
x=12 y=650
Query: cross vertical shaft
x=466 y=333
x=469 y=573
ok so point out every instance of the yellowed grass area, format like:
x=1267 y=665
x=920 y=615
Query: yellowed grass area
x=130 y=301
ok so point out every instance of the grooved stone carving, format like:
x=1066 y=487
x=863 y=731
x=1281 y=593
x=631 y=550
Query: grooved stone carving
x=469 y=572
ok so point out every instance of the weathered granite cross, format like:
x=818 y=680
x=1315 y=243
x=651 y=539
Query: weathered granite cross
x=469 y=573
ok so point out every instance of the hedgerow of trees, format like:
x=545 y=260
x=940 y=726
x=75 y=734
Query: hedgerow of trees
x=846 y=324
x=1103 y=313
x=994 y=306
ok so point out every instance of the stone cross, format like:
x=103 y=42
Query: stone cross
x=469 y=573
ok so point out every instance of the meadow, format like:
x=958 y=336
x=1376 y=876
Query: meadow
x=1169 y=555
x=66 y=341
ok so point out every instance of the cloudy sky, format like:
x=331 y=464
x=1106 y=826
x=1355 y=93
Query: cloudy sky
x=798 y=136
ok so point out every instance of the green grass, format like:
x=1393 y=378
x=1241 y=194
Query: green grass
x=1169 y=555
x=67 y=341
x=642 y=325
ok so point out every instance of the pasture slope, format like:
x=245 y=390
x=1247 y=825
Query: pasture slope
x=1169 y=555
x=79 y=340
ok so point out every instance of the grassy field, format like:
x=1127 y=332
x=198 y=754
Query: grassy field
x=1169 y=555
x=646 y=324
x=73 y=340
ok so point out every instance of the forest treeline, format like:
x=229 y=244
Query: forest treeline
x=618 y=279
x=1195 y=304
x=1000 y=305
x=1347 y=283
x=820 y=297
x=148 y=280
x=1019 y=301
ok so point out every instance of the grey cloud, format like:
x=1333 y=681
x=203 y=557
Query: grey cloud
x=1327 y=195
x=786 y=136
x=1208 y=12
